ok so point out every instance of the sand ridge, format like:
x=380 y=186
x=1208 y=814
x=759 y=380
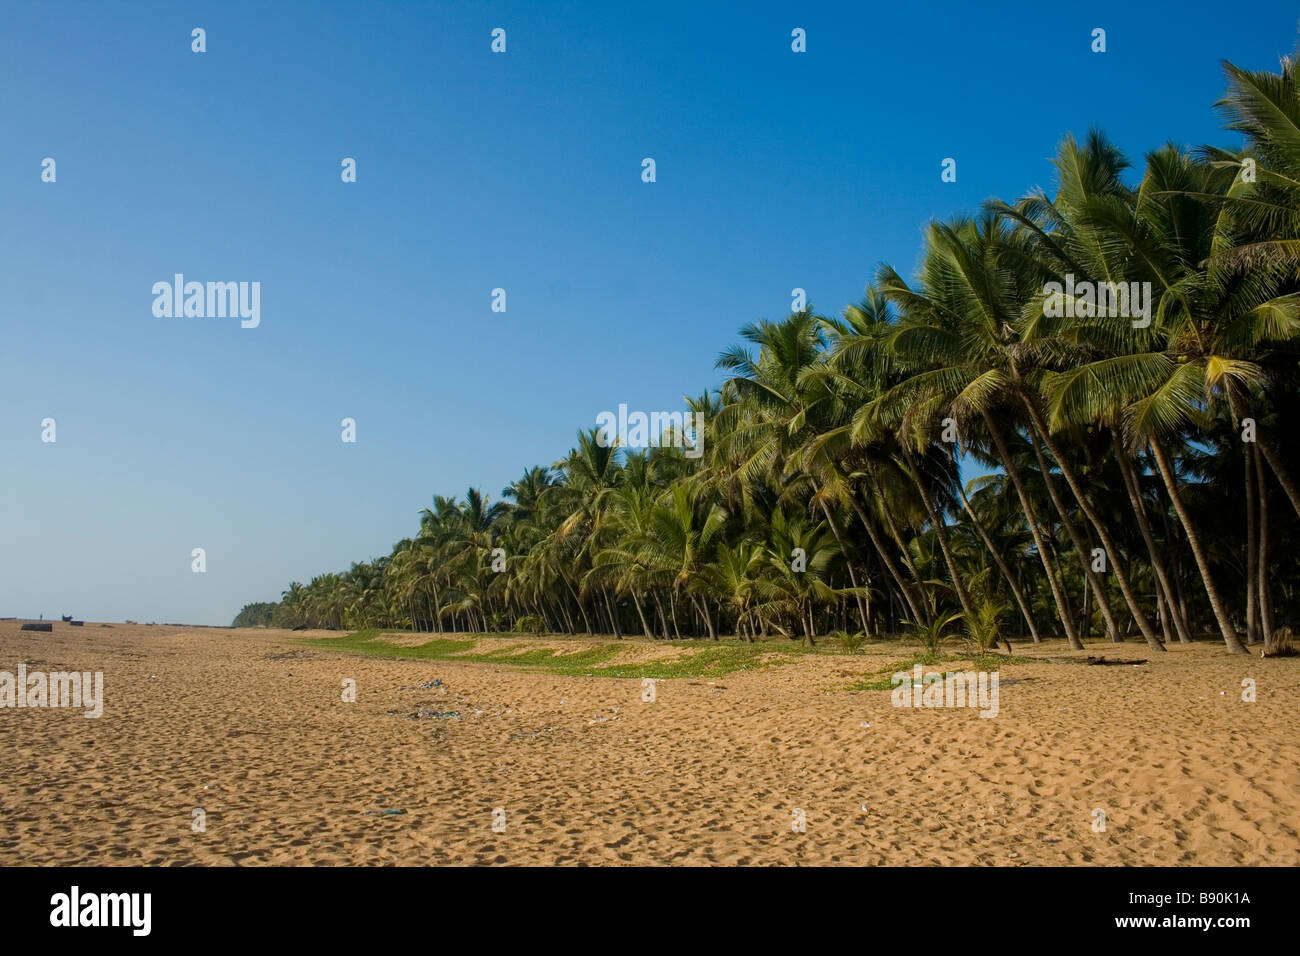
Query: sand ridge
x=250 y=725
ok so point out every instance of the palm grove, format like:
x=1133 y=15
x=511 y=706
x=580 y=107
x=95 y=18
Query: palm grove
x=1137 y=481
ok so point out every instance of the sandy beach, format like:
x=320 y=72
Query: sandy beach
x=250 y=726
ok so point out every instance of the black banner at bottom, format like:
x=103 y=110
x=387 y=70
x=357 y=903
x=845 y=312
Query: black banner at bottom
x=443 y=905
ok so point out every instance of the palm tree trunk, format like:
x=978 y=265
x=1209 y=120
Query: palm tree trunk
x=1002 y=565
x=613 y=613
x=940 y=532
x=586 y=621
x=1279 y=470
x=1103 y=605
x=1008 y=465
x=640 y=612
x=903 y=549
x=886 y=560
x=853 y=578
x=1164 y=611
x=704 y=611
x=1085 y=612
x=1144 y=524
x=663 y=618
x=1198 y=552
x=1117 y=566
x=1265 y=599
x=437 y=603
x=1252 y=551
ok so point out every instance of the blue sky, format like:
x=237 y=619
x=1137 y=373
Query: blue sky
x=474 y=171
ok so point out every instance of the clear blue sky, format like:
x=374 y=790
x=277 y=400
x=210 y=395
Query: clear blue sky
x=475 y=171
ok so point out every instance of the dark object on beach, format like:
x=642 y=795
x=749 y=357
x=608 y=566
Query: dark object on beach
x=1102 y=660
x=1281 y=644
x=67 y=618
x=291 y=656
x=77 y=623
x=385 y=813
x=300 y=627
x=34 y=626
x=452 y=714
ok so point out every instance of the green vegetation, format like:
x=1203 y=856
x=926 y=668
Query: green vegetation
x=1137 y=481
x=257 y=614
x=531 y=624
x=882 y=679
x=711 y=661
x=850 y=642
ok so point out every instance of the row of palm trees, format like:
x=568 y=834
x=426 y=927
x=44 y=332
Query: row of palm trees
x=1134 y=478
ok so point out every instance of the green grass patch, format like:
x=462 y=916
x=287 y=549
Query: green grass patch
x=713 y=659
x=883 y=678
x=367 y=642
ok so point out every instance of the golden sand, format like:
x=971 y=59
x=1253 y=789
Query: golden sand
x=250 y=726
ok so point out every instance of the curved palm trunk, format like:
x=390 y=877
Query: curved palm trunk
x=640 y=612
x=1144 y=524
x=586 y=621
x=704 y=612
x=940 y=532
x=853 y=578
x=1164 y=612
x=437 y=607
x=1265 y=599
x=1252 y=552
x=1080 y=547
x=894 y=533
x=659 y=606
x=1117 y=566
x=613 y=613
x=1280 y=471
x=1002 y=565
x=1008 y=465
x=1198 y=552
x=886 y=560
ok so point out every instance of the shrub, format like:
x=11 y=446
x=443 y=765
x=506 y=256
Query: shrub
x=932 y=635
x=531 y=624
x=985 y=629
x=1280 y=644
x=850 y=642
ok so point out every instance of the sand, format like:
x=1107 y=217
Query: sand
x=249 y=725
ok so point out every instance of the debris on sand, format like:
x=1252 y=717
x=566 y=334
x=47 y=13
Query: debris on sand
x=426 y=714
x=37 y=626
x=291 y=656
x=451 y=714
